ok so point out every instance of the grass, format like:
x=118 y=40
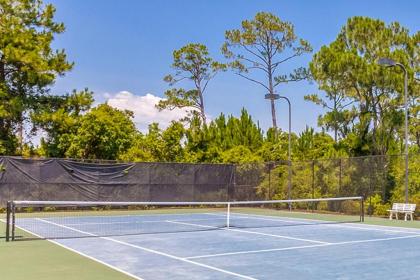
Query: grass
x=41 y=259
x=392 y=223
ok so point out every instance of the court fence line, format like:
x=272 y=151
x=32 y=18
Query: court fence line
x=379 y=179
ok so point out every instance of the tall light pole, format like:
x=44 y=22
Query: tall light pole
x=289 y=152
x=391 y=63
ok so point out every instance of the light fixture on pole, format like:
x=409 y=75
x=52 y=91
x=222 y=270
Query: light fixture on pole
x=289 y=153
x=391 y=63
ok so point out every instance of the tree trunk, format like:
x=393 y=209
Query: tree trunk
x=203 y=115
x=202 y=112
x=20 y=137
x=273 y=114
x=336 y=124
x=271 y=91
x=2 y=71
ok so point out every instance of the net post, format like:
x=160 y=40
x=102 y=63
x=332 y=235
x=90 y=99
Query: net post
x=228 y=215
x=8 y=210
x=13 y=210
x=362 y=209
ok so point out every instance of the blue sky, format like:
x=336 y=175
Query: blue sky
x=126 y=46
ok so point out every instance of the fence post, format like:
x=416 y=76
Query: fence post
x=362 y=209
x=269 y=182
x=313 y=185
x=8 y=221
x=232 y=185
x=289 y=187
x=13 y=210
x=228 y=215
x=340 y=178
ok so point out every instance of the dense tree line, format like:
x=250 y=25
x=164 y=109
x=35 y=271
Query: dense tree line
x=363 y=101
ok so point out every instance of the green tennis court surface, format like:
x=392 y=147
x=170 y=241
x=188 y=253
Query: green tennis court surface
x=40 y=259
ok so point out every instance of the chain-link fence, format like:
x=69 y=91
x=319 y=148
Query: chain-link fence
x=380 y=179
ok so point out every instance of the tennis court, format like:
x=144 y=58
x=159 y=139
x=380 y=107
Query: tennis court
x=258 y=243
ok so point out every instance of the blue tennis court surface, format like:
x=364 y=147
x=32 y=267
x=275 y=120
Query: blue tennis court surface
x=196 y=247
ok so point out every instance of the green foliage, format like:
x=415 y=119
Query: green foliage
x=376 y=206
x=28 y=63
x=239 y=154
x=208 y=142
x=59 y=117
x=235 y=131
x=397 y=171
x=157 y=145
x=348 y=72
x=337 y=119
x=103 y=133
x=414 y=121
x=311 y=145
x=191 y=62
x=140 y=150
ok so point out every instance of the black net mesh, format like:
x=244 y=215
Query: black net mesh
x=59 y=179
x=380 y=179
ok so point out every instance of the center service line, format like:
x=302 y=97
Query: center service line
x=152 y=251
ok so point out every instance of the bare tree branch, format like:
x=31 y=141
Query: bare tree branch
x=284 y=60
x=289 y=80
x=205 y=85
x=252 y=80
x=253 y=62
x=257 y=55
x=258 y=67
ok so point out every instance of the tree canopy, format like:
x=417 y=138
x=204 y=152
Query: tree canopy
x=364 y=100
x=28 y=64
x=103 y=133
x=263 y=44
x=191 y=62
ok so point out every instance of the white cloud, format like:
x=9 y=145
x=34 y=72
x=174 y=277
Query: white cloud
x=144 y=108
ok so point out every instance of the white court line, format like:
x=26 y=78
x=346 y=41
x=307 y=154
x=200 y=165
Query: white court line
x=255 y=251
x=302 y=247
x=325 y=223
x=252 y=232
x=189 y=224
x=153 y=251
x=82 y=254
x=390 y=228
x=279 y=236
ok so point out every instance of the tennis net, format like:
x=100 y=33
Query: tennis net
x=78 y=219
